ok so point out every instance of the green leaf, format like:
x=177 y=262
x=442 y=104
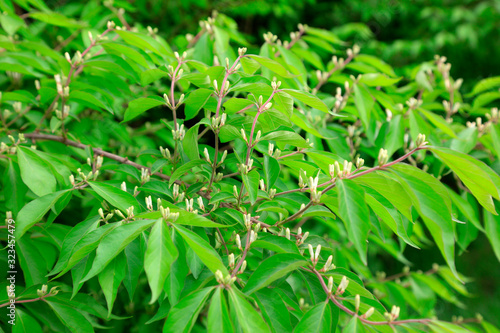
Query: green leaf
x=354 y=326
x=160 y=255
x=84 y=245
x=195 y=101
x=143 y=42
x=355 y=214
x=182 y=316
x=31 y=258
x=378 y=80
x=34 y=211
x=249 y=319
x=286 y=137
x=35 y=172
x=274 y=310
x=151 y=75
x=251 y=181
x=111 y=278
x=203 y=249
x=185 y=168
x=376 y=63
x=308 y=99
x=483 y=182
x=439 y=122
x=317 y=319
x=114 y=243
x=70 y=317
x=140 y=105
x=272 y=65
x=485 y=84
x=218 y=314
x=431 y=200
x=24 y=323
x=364 y=104
x=57 y=19
x=190 y=143
x=492 y=231
x=271 y=170
x=89 y=100
x=234 y=104
x=272 y=269
x=115 y=196
x=275 y=243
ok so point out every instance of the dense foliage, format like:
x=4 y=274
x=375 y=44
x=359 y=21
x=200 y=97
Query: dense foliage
x=213 y=184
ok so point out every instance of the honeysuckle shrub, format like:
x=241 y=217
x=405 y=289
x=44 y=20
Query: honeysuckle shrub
x=216 y=185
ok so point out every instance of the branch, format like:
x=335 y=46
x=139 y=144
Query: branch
x=97 y=151
x=352 y=313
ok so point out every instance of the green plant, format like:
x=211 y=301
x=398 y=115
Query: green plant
x=234 y=195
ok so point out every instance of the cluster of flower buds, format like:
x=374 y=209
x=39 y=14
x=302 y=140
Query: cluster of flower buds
x=5 y=148
x=243 y=267
x=165 y=152
x=77 y=58
x=247 y=218
x=235 y=191
x=166 y=214
x=245 y=168
x=62 y=114
x=111 y=25
x=272 y=193
x=206 y=155
x=179 y=134
x=382 y=157
x=43 y=292
x=90 y=176
x=149 y=203
x=301 y=237
x=351 y=53
x=420 y=141
x=105 y=218
x=145 y=175
x=223 y=90
x=178 y=197
x=270 y=38
x=219 y=121
x=341 y=100
x=481 y=127
x=190 y=205
x=226 y=281
x=493 y=116
x=152 y=31
x=253 y=236
x=328 y=265
x=201 y=205
x=242 y=51
x=18 y=106
x=233 y=68
x=451 y=108
x=342 y=286
x=314 y=254
x=393 y=315
x=275 y=85
x=413 y=103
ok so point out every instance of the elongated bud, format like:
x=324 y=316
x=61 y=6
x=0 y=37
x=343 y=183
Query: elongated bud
x=316 y=254
x=111 y=25
x=238 y=242
x=231 y=260
x=72 y=180
x=328 y=263
x=123 y=186
x=200 y=203
x=243 y=267
x=243 y=134
x=382 y=157
x=330 y=285
x=357 y=302
x=101 y=213
x=287 y=233
x=311 y=252
x=342 y=286
x=207 y=156
x=369 y=312
x=242 y=51
x=262 y=185
x=215 y=86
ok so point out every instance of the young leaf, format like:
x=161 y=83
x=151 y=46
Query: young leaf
x=251 y=181
x=71 y=318
x=308 y=99
x=159 y=257
x=185 y=168
x=286 y=137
